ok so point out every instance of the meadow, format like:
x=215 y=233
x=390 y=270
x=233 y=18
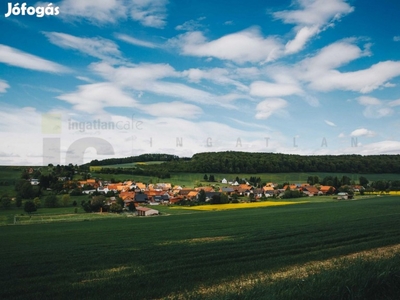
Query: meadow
x=327 y=250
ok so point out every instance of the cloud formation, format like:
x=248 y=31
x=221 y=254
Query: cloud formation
x=17 y=58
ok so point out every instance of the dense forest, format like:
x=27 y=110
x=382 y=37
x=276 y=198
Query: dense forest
x=132 y=159
x=252 y=163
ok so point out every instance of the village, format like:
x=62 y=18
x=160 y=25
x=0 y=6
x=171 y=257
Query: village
x=147 y=196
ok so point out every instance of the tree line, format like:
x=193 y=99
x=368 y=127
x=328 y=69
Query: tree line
x=253 y=163
x=132 y=159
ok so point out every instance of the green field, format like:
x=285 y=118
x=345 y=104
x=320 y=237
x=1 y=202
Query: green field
x=331 y=250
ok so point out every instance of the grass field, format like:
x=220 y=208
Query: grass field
x=331 y=250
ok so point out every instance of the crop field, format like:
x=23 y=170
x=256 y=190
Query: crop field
x=240 y=205
x=331 y=250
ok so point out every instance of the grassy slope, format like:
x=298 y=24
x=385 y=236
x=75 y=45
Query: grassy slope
x=147 y=258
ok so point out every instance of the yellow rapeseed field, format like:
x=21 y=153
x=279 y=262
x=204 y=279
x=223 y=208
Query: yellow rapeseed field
x=239 y=205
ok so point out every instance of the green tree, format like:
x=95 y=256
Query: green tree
x=18 y=201
x=363 y=181
x=215 y=199
x=5 y=202
x=132 y=206
x=24 y=189
x=97 y=203
x=29 y=207
x=205 y=177
x=51 y=201
x=65 y=199
x=115 y=208
x=37 y=202
x=202 y=196
x=224 y=199
x=251 y=198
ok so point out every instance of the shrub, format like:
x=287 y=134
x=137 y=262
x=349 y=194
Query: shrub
x=29 y=207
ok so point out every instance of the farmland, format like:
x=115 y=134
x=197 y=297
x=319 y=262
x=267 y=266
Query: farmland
x=328 y=250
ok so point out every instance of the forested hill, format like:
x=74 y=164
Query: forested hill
x=132 y=159
x=245 y=162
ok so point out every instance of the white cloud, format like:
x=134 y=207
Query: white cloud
x=215 y=75
x=320 y=72
x=17 y=58
x=97 y=47
x=3 y=86
x=363 y=81
x=268 y=107
x=394 y=103
x=312 y=17
x=135 y=41
x=362 y=132
x=328 y=58
x=83 y=78
x=367 y=100
x=174 y=109
x=315 y=12
x=396 y=38
x=93 y=98
x=191 y=25
x=106 y=11
x=148 y=77
x=375 y=108
x=302 y=37
x=383 y=147
x=150 y=13
x=244 y=46
x=267 y=89
x=330 y=123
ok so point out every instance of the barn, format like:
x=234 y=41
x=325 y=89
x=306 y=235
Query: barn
x=146 y=211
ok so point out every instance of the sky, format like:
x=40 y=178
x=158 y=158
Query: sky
x=96 y=79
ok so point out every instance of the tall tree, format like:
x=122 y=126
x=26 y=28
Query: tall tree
x=29 y=207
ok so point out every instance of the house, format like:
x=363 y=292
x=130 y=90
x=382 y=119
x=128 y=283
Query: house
x=35 y=182
x=268 y=189
x=224 y=181
x=192 y=194
x=140 y=186
x=227 y=190
x=146 y=211
x=140 y=198
x=103 y=189
x=342 y=196
x=206 y=189
x=326 y=189
x=162 y=198
x=258 y=193
x=311 y=190
x=185 y=192
x=127 y=195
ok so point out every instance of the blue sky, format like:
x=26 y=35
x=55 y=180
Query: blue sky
x=115 y=78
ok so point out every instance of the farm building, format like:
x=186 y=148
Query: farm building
x=342 y=196
x=146 y=211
